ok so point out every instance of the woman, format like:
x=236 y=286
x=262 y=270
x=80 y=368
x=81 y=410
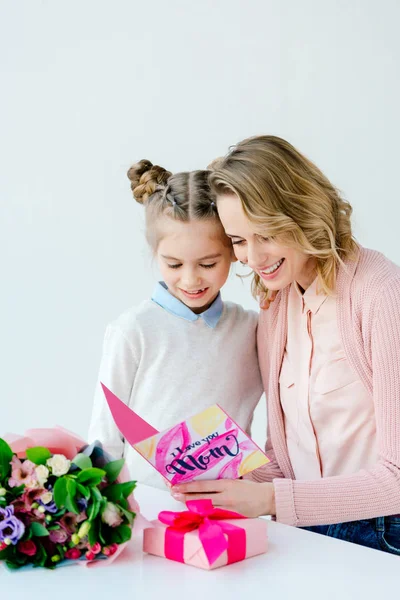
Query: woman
x=329 y=351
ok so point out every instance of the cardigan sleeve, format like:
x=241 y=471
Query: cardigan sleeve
x=372 y=492
x=117 y=371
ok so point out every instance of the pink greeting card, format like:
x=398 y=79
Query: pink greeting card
x=209 y=445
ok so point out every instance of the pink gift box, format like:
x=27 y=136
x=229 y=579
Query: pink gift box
x=190 y=549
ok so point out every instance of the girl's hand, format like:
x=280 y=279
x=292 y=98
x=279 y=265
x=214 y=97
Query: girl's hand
x=246 y=497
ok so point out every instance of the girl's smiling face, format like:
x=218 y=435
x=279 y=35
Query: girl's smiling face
x=276 y=264
x=194 y=259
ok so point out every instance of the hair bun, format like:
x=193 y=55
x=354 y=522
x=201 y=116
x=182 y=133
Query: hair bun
x=146 y=179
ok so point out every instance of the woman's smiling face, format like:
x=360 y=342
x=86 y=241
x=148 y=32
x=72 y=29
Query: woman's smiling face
x=276 y=264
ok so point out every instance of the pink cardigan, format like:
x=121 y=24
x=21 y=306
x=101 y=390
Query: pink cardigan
x=368 y=311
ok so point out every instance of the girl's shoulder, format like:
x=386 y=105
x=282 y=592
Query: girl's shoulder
x=142 y=315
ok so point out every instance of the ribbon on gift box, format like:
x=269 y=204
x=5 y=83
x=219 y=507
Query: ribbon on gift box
x=210 y=522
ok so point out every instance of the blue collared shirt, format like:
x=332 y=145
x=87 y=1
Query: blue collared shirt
x=166 y=300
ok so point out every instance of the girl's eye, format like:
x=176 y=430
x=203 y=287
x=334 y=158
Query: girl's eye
x=174 y=266
x=209 y=266
x=238 y=243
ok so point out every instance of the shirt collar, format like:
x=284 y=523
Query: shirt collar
x=311 y=299
x=166 y=300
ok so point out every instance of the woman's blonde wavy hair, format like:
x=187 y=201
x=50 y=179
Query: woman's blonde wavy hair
x=289 y=199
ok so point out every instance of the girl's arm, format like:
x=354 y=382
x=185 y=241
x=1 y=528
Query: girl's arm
x=117 y=371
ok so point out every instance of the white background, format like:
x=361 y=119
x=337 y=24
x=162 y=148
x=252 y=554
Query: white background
x=89 y=86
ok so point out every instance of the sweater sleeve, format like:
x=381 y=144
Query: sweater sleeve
x=367 y=493
x=117 y=371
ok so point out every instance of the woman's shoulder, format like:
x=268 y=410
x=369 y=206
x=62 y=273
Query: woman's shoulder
x=374 y=272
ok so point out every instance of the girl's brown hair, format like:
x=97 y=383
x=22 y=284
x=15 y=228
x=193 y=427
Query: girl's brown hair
x=183 y=196
x=288 y=198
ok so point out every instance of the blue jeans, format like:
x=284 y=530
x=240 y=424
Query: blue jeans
x=382 y=533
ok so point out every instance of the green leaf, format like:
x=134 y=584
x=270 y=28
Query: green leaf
x=38 y=530
x=91 y=477
x=40 y=556
x=12 y=565
x=60 y=492
x=113 y=469
x=117 y=491
x=95 y=504
x=128 y=514
x=6 y=455
x=101 y=536
x=60 y=550
x=6 y=553
x=38 y=455
x=93 y=533
x=82 y=461
x=70 y=501
x=121 y=534
x=84 y=491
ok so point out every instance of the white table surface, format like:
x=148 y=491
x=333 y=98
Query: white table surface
x=299 y=564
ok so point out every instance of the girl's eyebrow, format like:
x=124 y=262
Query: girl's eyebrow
x=208 y=257
x=230 y=235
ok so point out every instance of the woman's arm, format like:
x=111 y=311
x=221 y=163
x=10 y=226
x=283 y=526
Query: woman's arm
x=366 y=494
x=371 y=492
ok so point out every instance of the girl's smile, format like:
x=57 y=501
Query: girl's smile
x=194 y=259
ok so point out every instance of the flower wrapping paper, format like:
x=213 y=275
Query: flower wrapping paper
x=61 y=441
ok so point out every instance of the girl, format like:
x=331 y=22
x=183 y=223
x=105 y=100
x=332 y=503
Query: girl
x=329 y=351
x=184 y=349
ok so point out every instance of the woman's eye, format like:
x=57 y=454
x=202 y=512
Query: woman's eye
x=174 y=266
x=209 y=266
x=238 y=243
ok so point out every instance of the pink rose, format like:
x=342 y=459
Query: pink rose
x=110 y=550
x=72 y=553
x=96 y=548
x=27 y=547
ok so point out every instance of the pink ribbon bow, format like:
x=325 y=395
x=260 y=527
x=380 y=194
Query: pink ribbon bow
x=208 y=520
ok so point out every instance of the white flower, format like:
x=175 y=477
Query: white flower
x=46 y=497
x=42 y=474
x=59 y=464
x=111 y=515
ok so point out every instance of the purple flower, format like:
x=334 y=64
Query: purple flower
x=51 y=506
x=82 y=504
x=6 y=512
x=11 y=529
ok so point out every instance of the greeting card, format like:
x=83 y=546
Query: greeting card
x=208 y=445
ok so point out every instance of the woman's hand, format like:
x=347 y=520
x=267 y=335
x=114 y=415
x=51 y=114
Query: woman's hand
x=240 y=495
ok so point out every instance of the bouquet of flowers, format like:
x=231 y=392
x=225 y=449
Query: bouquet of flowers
x=61 y=501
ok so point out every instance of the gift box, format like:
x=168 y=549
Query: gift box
x=204 y=536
